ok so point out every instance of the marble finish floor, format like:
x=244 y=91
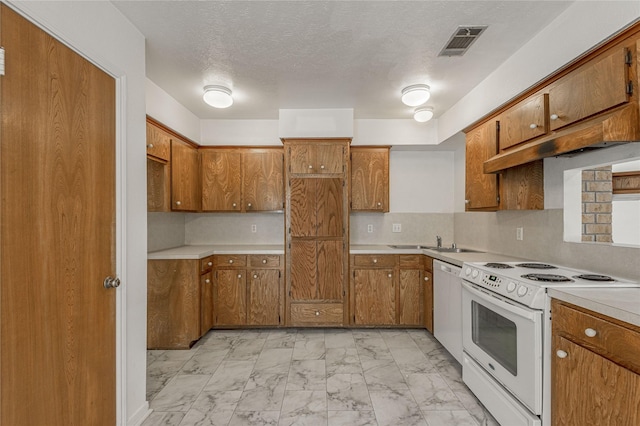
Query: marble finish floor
x=311 y=377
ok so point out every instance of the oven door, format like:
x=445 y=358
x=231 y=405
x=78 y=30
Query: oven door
x=505 y=338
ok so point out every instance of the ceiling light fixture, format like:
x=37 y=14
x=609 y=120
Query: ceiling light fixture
x=423 y=114
x=416 y=94
x=217 y=96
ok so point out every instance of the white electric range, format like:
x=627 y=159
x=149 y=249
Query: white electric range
x=506 y=334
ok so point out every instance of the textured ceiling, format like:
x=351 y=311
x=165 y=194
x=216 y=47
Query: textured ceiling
x=326 y=54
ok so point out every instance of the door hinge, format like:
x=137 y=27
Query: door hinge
x=279 y=274
x=290 y=293
x=628 y=57
x=1 y=60
x=279 y=320
x=630 y=88
x=497 y=125
x=498 y=199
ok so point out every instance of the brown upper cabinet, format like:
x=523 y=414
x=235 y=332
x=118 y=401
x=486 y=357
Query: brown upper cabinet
x=370 y=179
x=242 y=179
x=481 y=190
x=524 y=121
x=316 y=157
x=185 y=177
x=158 y=142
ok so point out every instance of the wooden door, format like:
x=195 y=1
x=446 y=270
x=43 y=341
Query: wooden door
x=264 y=297
x=370 y=179
x=158 y=186
x=330 y=261
x=158 y=142
x=57 y=239
x=263 y=183
x=588 y=389
x=409 y=302
x=185 y=177
x=207 y=314
x=329 y=206
x=329 y=158
x=231 y=297
x=375 y=297
x=221 y=180
x=481 y=190
x=302 y=158
x=304 y=270
x=303 y=207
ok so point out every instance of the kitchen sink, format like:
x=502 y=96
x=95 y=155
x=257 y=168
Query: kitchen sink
x=454 y=250
x=410 y=246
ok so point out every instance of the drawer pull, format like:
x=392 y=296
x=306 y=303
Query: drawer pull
x=561 y=354
x=590 y=332
x=150 y=146
x=264 y=261
x=230 y=260
x=322 y=166
x=317 y=313
x=375 y=260
x=310 y=166
x=554 y=117
x=533 y=126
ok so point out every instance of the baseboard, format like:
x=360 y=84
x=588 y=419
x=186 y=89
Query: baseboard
x=140 y=415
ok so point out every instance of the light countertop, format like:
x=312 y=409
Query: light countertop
x=619 y=303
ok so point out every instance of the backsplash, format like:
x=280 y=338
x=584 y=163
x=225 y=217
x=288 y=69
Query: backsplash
x=165 y=230
x=234 y=228
x=416 y=228
x=543 y=241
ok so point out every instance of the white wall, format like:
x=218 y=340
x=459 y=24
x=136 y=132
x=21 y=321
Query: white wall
x=99 y=32
x=169 y=112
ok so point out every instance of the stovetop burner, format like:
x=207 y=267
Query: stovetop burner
x=536 y=266
x=547 y=278
x=498 y=266
x=594 y=277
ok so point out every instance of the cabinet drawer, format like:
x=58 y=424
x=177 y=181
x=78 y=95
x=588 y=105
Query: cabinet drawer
x=613 y=341
x=206 y=264
x=371 y=260
x=264 y=261
x=410 y=261
x=316 y=313
x=229 y=260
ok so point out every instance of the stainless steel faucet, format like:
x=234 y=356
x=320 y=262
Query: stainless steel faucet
x=438 y=241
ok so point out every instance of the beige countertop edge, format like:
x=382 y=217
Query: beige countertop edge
x=202 y=251
x=620 y=303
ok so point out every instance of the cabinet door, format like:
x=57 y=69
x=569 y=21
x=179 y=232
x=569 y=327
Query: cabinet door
x=588 y=389
x=330 y=211
x=330 y=269
x=264 y=297
x=221 y=180
x=370 y=179
x=158 y=186
x=303 y=158
x=595 y=87
x=207 y=318
x=329 y=158
x=481 y=189
x=375 y=297
x=185 y=177
x=231 y=297
x=410 y=303
x=263 y=184
x=158 y=143
x=524 y=121
x=304 y=270
x=303 y=207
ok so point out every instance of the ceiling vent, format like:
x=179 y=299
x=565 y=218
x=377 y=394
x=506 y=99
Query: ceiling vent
x=461 y=40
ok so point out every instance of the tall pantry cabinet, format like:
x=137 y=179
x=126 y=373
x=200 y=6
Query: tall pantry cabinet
x=317 y=231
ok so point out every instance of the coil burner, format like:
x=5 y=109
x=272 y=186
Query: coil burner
x=549 y=278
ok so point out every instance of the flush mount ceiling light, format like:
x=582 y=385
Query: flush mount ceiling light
x=415 y=95
x=423 y=114
x=217 y=96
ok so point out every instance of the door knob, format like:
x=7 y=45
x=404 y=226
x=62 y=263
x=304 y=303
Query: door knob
x=111 y=282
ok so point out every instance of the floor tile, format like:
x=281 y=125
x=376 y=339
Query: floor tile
x=159 y=418
x=254 y=418
x=263 y=392
x=393 y=408
x=230 y=376
x=352 y=418
x=179 y=393
x=449 y=418
x=348 y=392
x=304 y=408
x=307 y=375
x=212 y=409
x=432 y=393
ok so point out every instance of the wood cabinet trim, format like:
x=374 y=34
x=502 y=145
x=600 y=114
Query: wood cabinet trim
x=171 y=132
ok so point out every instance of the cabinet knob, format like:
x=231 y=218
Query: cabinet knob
x=379 y=204
x=178 y=203
x=230 y=260
x=322 y=166
x=207 y=281
x=554 y=116
x=209 y=263
x=234 y=205
x=426 y=278
x=375 y=260
x=249 y=205
x=390 y=275
x=317 y=313
x=467 y=201
x=239 y=275
x=590 y=332
x=150 y=145
x=264 y=261
x=310 y=166
x=561 y=354
x=255 y=276
x=533 y=126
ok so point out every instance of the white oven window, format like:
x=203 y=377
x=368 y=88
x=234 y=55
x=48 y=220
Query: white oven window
x=496 y=335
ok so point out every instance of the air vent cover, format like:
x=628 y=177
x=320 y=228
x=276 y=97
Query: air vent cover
x=461 y=40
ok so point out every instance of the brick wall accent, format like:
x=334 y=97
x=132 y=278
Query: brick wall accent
x=597 y=193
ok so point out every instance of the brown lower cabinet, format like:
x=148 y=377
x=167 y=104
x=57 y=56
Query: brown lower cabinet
x=387 y=290
x=595 y=369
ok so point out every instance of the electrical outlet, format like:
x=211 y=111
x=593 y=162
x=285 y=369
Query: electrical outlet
x=519 y=233
x=254 y=228
x=369 y=228
x=397 y=227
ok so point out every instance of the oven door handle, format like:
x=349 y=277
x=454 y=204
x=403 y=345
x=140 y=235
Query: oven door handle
x=500 y=302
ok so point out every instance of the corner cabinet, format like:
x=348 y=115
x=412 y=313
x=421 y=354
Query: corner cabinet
x=595 y=368
x=317 y=231
x=370 y=179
